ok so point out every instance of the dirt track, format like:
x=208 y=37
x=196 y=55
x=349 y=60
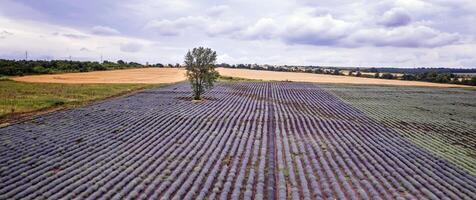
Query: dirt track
x=144 y=75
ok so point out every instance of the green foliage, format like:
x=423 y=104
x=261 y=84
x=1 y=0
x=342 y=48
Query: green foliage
x=471 y=81
x=387 y=76
x=22 y=67
x=409 y=77
x=377 y=75
x=236 y=79
x=439 y=78
x=436 y=77
x=200 y=66
x=336 y=72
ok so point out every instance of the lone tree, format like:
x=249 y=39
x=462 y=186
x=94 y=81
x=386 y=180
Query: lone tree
x=200 y=66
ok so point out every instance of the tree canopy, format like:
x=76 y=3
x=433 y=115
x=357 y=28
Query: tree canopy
x=200 y=66
x=28 y=67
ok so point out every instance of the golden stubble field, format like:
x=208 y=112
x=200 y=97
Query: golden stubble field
x=323 y=78
x=171 y=75
x=142 y=75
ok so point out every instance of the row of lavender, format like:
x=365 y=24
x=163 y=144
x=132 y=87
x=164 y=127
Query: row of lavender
x=247 y=141
x=155 y=144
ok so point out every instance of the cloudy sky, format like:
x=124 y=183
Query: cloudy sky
x=402 y=33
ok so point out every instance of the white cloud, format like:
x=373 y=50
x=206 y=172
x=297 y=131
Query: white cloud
x=216 y=11
x=222 y=27
x=264 y=28
x=321 y=30
x=131 y=47
x=408 y=36
x=57 y=42
x=194 y=24
x=175 y=27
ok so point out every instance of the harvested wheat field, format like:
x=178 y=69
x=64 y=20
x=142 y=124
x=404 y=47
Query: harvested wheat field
x=142 y=75
x=322 y=78
x=171 y=75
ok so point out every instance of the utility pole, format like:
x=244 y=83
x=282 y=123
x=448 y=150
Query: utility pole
x=26 y=55
x=101 y=57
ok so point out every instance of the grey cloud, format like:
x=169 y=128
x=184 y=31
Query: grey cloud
x=395 y=17
x=328 y=31
x=104 y=30
x=131 y=47
x=5 y=34
x=246 y=30
x=323 y=30
x=73 y=36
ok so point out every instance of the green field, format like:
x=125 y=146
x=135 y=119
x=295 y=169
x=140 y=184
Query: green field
x=19 y=97
x=441 y=120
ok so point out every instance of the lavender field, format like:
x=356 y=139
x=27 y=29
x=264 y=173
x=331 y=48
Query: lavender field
x=442 y=120
x=248 y=140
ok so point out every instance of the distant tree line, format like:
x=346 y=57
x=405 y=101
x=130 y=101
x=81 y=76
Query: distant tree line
x=160 y=65
x=419 y=70
x=440 y=78
x=24 y=67
x=434 y=77
x=286 y=68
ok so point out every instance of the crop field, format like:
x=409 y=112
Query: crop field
x=325 y=78
x=438 y=119
x=247 y=140
x=140 y=75
x=155 y=75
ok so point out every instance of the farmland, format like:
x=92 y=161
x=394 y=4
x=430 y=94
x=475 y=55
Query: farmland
x=171 y=75
x=141 y=75
x=247 y=140
x=19 y=97
x=22 y=95
x=438 y=119
x=325 y=78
